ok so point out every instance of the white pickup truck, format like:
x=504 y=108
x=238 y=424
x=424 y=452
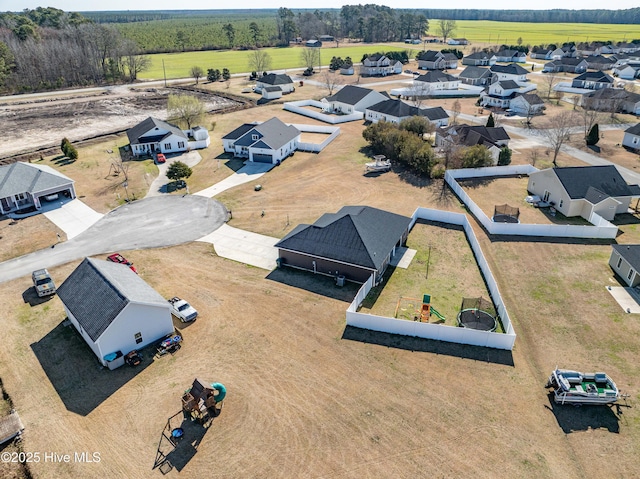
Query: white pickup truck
x=43 y=283
x=183 y=310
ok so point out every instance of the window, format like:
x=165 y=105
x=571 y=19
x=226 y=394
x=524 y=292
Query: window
x=167 y=146
x=630 y=274
x=181 y=144
x=635 y=141
x=138 y=337
x=560 y=204
x=619 y=262
x=21 y=196
x=545 y=196
x=254 y=137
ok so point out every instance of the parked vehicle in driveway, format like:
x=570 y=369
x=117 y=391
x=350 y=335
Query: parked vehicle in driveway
x=183 y=310
x=43 y=282
x=160 y=158
x=118 y=258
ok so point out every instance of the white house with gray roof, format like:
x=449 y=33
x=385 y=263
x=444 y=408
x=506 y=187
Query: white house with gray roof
x=25 y=186
x=114 y=309
x=625 y=261
x=395 y=111
x=268 y=142
x=152 y=136
x=281 y=81
x=631 y=137
x=351 y=98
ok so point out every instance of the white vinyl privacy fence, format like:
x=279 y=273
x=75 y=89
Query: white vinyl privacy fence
x=441 y=332
x=601 y=228
x=331 y=131
x=299 y=107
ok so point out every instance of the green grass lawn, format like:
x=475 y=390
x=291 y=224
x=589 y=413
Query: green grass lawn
x=538 y=33
x=178 y=65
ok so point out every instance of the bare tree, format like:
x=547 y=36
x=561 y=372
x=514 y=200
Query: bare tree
x=446 y=28
x=197 y=73
x=418 y=93
x=259 y=61
x=557 y=131
x=548 y=83
x=185 y=108
x=134 y=61
x=310 y=57
x=588 y=118
x=455 y=111
x=331 y=80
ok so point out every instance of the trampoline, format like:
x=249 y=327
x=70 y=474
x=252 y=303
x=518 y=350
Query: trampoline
x=476 y=319
x=506 y=214
x=477 y=313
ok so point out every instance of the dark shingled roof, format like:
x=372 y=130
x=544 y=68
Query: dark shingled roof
x=435 y=76
x=358 y=235
x=400 y=109
x=429 y=55
x=136 y=133
x=273 y=134
x=511 y=69
x=238 y=132
x=479 y=135
x=532 y=99
x=509 y=84
x=577 y=180
x=630 y=253
x=594 y=76
x=473 y=71
x=480 y=55
x=350 y=94
x=97 y=291
x=275 y=79
x=634 y=130
x=28 y=178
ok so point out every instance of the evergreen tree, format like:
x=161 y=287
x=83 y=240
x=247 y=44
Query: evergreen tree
x=490 y=121
x=594 y=135
x=504 y=158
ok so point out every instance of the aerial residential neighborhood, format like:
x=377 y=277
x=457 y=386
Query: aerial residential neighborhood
x=345 y=241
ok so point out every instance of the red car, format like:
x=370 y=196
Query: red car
x=160 y=158
x=118 y=258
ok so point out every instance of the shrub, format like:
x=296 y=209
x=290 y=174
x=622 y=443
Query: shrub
x=594 y=135
x=504 y=158
x=437 y=171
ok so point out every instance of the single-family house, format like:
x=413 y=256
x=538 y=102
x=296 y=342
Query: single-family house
x=394 y=111
x=592 y=81
x=608 y=49
x=627 y=71
x=352 y=244
x=282 y=81
x=625 y=262
x=29 y=186
x=114 y=309
x=510 y=56
x=631 y=137
x=547 y=53
x=480 y=59
x=325 y=38
x=351 y=98
x=473 y=75
x=627 y=47
x=566 y=64
x=512 y=71
x=492 y=138
x=569 y=50
x=527 y=104
x=612 y=100
x=499 y=93
x=457 y=41
x=379 y=64
x=598 y=62
x=436 y=80
x=156 y=136
x=620 y=59
x=268 y=142
x=347 y=68
x=584 y=190
x=434 y=60
x=313 y=43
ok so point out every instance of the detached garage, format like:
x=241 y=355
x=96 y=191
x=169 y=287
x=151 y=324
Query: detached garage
x=114 y=310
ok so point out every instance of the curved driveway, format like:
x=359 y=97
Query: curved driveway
x=148 y=223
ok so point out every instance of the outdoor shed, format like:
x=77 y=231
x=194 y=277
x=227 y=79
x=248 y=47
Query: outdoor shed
x=625 y=261
x=353 y=243
x=114 y=309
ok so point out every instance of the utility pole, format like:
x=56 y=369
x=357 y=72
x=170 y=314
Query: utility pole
x=165 y=74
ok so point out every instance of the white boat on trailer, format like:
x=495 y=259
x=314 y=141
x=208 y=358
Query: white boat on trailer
x=381 y=164
x=574 y=387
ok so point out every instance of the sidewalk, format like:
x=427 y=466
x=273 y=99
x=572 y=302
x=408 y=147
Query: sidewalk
x=250 y=172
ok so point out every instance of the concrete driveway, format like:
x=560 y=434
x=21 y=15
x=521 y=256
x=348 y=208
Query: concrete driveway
x=73 y=217
x=244 y=246
x=149 y=223
x=250 y=172
x=159 y=185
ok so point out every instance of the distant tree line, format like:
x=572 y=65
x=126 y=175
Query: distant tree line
x=631 y=15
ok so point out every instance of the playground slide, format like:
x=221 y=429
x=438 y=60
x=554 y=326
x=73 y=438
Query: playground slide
x=222 y=391
x=437 y=314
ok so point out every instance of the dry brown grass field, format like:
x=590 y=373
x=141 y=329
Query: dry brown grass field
x=308 y=397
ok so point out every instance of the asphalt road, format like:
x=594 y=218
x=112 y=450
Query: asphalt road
x=148 y=223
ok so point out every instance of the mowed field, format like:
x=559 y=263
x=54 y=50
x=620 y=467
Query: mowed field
x=308 y=397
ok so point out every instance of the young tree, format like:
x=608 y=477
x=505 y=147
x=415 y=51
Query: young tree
x=491 y=122
x=417 y=125
x=557 y=131
x=476 y=157
x=310 y=57
x=64 y=145
x=259 y=61
x=230 y=32
x=594 y=135
x=226 y=74
x=589 y=117
x=178 y=170
x=455 y=111
x=213 y=74
x=504 y=158
x=197 y=73
x=72 y=153
x=418 y=92
x=330 y=80
x=185 y=108
x=547 y=85
x=446 y=28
